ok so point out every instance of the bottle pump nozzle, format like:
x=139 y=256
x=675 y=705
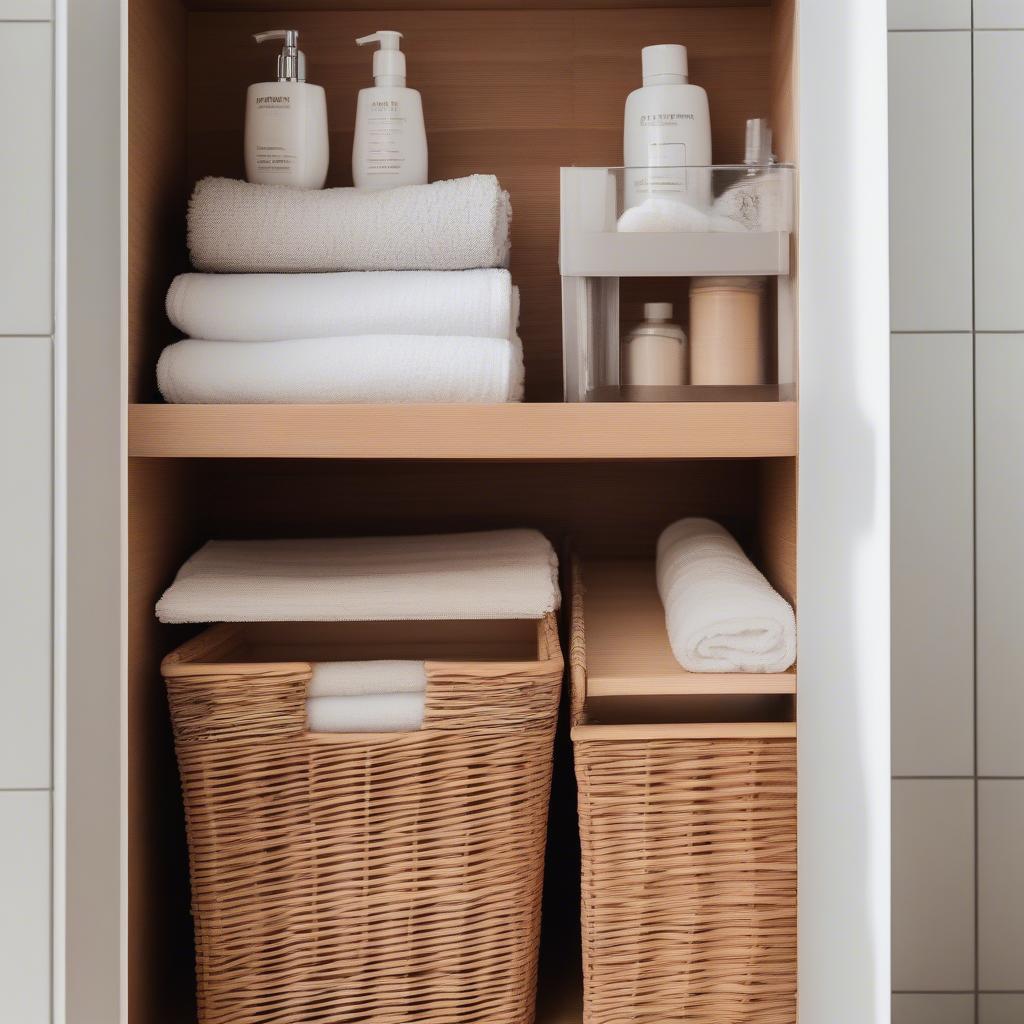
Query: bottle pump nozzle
x=291 y=61
x=388 y=61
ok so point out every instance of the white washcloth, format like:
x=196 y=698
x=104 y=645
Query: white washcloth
x=239 y=227
x=722 y=615
x=275 y=307
x=379 y=712
x=362 y=678
x=368 y=369
x=499 y=574
x=660 y=214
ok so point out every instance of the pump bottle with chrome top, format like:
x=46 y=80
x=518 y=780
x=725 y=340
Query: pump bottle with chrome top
x=286 y=141
x=390 y=146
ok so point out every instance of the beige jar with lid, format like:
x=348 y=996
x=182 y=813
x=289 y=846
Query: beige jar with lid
x=727 y=330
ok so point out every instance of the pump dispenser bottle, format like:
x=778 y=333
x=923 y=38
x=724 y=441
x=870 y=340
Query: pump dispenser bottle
x=667 y=132
x=286 y=140
x=390 y=146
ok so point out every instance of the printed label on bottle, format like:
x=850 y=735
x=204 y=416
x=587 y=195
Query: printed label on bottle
x=661 y=161
x=276 y=154
x=385 y=130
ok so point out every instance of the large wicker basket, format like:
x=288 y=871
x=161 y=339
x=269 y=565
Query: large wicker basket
x=688 y=835
x=386 y=878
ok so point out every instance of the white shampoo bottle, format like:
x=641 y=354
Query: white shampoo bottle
x=286 y=140
x=667 y=133
x=390 y=146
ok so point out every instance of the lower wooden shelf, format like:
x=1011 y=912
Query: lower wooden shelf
x=524 y=432
x=628 y=652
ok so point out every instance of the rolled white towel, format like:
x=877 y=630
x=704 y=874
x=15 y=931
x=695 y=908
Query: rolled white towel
x=379 y=712
x=275 y=307
x=494 y=574
x=363 y=678
x=367 y=369
x=235 y=226
x=722 y=615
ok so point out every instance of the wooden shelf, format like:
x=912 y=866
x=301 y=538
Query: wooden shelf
x=526 y=432
x=628 y=652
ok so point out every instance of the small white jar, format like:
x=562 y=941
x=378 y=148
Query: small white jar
x=655 y=351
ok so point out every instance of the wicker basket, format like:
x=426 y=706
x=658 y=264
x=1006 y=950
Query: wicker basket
x=386 y=878
x=688 y=835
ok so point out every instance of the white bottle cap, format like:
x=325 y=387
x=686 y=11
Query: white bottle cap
x=657 y=310
x=665 y=64
x=388 y=61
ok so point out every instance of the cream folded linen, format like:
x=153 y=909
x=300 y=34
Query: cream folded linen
x=276 y=307
x=500 y=574
x=379 y=712
x=384 y=369
x=722 y=615
x=235 y=226
x=363 y=678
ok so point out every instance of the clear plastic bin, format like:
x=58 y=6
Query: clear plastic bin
x=670 y=222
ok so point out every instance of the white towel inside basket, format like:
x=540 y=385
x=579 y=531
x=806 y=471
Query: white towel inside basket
x=367 y=696
x=500 y=574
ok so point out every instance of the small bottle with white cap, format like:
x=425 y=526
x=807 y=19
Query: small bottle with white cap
x=667 y=130
x=390 y=145
x=655 y=351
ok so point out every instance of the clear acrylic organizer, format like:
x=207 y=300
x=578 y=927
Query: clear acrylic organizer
x=668 y=222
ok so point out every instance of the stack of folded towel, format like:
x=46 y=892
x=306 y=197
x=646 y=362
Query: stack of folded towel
x=500 y=574
x=346 y=296
x=722 y=615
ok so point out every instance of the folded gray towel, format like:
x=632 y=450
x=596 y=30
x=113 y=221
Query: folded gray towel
x=234 y=226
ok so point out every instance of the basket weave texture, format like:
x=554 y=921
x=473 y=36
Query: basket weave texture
x=688 y=874
x=384 y=878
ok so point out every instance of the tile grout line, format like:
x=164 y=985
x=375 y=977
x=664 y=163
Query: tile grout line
x=974 y=547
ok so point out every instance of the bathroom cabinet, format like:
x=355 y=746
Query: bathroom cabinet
x=519 y=89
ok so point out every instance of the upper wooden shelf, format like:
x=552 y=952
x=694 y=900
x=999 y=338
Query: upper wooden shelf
x=628 y=652
x=523 y=432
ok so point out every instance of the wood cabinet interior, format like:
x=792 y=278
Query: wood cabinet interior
x=518 y=89
x=514 y=89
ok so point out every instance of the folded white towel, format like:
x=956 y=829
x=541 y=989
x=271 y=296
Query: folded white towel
x=500 y=574
x=239 y=227
x=274 y=307
x=659 y=213
x=380 y=712
x=368 y=369
x=362 y=678
x=721 y=613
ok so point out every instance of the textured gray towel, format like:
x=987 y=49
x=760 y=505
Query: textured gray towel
x=237 y=227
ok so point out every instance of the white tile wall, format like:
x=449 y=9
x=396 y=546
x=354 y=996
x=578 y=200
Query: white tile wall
x=933 y=885
x=918 y=1008
x=25 y=907
x=930 y=180
x=1000 y=556
x=26 y=10
x=998 y=14
x=26 y=200
x=998 y=1008
x=929 y=14
x=1001 y=884
x=998 y=197
x=26 y=466
x=932 y=597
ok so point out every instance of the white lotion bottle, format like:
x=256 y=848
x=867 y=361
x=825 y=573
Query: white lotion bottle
x=286 y=141
x=390 y=146
x=655 y=352
x=667 y=129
